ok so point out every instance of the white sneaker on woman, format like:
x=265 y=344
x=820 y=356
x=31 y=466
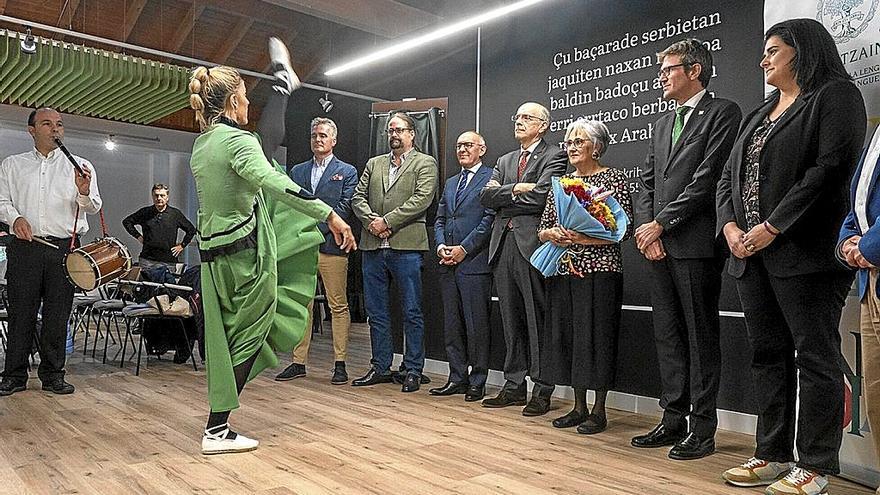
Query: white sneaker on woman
x=287 y=81
x=219 y=443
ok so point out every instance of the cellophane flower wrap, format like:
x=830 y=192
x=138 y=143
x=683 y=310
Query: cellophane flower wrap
x=583 y=208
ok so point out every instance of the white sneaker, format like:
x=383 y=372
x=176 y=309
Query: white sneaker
x=757 y=472
x=799 y=482
x=217 y=443
x=288 y=81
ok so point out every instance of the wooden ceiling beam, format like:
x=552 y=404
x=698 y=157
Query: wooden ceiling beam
x=233 y=38
x=132 y=14
x=175 y=41
x=385 y=18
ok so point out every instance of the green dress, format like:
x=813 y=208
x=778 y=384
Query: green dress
x=255 y=299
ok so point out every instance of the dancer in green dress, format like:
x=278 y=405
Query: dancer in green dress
x=256 y=283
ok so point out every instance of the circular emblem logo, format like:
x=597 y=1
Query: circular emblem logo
x=845 y=19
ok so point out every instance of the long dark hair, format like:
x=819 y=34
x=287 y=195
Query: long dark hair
x=816 y=60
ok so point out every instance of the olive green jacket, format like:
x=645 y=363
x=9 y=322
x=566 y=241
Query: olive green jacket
x=229 y=170
x=402 y=203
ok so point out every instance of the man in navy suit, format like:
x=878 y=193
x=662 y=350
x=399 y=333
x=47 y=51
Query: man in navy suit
x=332 y=181
x=859 y=248
x=462 y=230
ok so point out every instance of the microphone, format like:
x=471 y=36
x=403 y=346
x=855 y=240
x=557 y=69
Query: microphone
x=79 y=169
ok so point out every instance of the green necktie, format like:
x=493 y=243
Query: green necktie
x=680 y=112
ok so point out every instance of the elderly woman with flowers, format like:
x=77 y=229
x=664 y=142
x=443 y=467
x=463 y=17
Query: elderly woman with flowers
x=579 y=344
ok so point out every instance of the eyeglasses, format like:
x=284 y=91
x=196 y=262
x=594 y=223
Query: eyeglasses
x=527 y=118
x=398 y=130
x=665 y=71
x=465 y=145
x=576 y=143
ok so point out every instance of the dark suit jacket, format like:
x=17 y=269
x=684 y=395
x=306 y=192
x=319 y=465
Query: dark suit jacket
x=806 y=165
x=869 y=244
x=524 y=210
x=466 y=222
x=678 y=183
x=335 y=188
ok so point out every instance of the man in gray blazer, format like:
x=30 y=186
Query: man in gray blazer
x=517 y=192
x=676 y=233
x=390 y=200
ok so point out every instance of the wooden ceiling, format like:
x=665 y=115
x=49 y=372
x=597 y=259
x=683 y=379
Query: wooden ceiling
x=234 y=32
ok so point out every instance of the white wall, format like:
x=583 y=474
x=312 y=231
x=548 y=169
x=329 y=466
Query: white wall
x=126 y=174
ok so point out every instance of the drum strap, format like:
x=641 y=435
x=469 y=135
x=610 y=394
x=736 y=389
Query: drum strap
x=104 y=231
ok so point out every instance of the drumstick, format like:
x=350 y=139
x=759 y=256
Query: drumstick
x=43 y=241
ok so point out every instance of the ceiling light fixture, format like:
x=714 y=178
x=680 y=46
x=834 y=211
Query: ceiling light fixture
x=326 y=104
x=402 y=46
x=110 y=143
x=28 y=44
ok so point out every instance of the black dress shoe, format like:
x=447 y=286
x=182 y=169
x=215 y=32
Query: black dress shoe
x=340 y=376
x=373 y=377
x=507 y=397
x=573 y=418
x=660 y=436
x=295 y=370
x=474 y=393
x=58 y=386
x=692 y=447
x=538 y=406
x=10 y=386
x=451 y=388
x=593 y=424
x=411 y=383
x=400 y=377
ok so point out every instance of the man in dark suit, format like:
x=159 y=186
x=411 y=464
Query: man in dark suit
x=332 y=181
x=517 y=192
x=676 y=215
x=462 y=234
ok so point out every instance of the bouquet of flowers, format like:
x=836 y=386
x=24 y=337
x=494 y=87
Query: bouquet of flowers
x=585 y=209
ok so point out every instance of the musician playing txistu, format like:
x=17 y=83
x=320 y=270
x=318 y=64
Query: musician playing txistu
x=44 y=200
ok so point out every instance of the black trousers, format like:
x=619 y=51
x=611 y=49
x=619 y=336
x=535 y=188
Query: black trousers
x=466 y=314
x=793 y=328
x=684 y=294
x=521 y=297
x=35 y=276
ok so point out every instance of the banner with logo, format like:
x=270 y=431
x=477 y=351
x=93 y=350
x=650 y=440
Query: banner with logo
x=855 y=27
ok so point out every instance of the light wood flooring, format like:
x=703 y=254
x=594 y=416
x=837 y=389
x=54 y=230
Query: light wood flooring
x=121 y=433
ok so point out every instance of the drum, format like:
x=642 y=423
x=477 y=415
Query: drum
x=97 y=263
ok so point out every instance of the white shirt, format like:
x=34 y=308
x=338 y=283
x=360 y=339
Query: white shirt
x=863 y=189
x=318 y=169
x=41 y=189
x=692 y=102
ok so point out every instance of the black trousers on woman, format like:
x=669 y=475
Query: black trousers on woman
x=793 y=328
x=35 y=276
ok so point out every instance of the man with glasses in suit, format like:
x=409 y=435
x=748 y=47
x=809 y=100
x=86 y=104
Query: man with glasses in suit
x=390 y=200
x=517 y=192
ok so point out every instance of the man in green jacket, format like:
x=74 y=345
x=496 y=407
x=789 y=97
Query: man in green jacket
x=390 y=200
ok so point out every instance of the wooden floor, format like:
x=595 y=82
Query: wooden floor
x=120 y=433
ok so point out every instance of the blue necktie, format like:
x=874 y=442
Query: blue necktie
x=462 y=182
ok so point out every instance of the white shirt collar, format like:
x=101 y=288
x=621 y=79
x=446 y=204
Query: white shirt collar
x=693 y=101
x=322 y=163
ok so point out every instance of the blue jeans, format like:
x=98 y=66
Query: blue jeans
x=405 y=267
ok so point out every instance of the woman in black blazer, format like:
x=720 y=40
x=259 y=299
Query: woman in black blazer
x=781 y=199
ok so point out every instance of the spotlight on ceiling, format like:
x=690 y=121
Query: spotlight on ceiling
x=28 y=44
x=110 y=142
x=326 y=104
